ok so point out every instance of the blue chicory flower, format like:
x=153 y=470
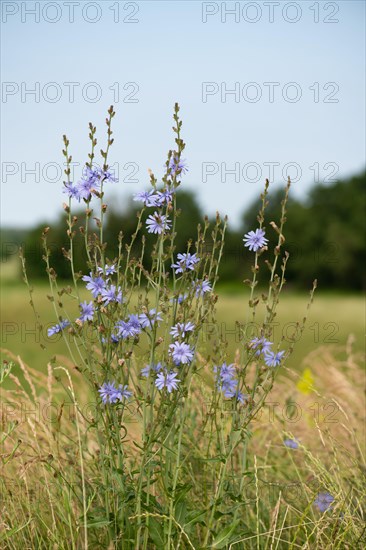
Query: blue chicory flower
x=72 y=191
x=113 y=339
x=227 y=383
x=147 y=320
x=181 y=352
x=130 y=328
x=185 y=262
x=92 y=174
x=255 y=240
x=180 y=298
x=273 y=359
x=163 y=197
x=228 y=386
x=147 y=197
x=107 y=175
x=157 y=223
x=87 y=311
x=109 y=269
x=177 y=166
x=155 y=368
x=167 y=380
x=95 y=284
x=202 y=287
x=87 y=185
x=261 y=345
x=291 y=443
x=110 y=394
x=225 y=371
x=58 y=328
x=180 y=329
x=111 y=294
x=324 y=501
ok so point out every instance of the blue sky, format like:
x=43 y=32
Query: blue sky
x=296 y=70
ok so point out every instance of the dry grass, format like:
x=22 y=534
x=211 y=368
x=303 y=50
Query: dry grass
x=41 y=459
x=326 y=396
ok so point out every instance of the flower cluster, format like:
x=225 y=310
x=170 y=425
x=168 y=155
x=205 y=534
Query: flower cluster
x=262 y=346
x=108 y=270
x=89 y=183
x=148 y=198
x=180 y=352
x=105 y=293
x=136 y=323
x=180 y=298
x=159 y=223
x=227 y=382
x=111 y=294
x=111 y=394
x=152 y=198
x=99 y=287
x=185 y=262
x=128 y=329
x=94 y=284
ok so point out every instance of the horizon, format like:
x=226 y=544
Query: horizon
x=234 y=226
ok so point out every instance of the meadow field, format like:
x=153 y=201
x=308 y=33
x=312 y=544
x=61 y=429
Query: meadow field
x=305 y=446
x=331 y=320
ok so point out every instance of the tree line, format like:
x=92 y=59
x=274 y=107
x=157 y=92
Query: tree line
x=325 y=237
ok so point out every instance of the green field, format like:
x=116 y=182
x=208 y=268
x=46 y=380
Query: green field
x=331 y=320
x=330 y=452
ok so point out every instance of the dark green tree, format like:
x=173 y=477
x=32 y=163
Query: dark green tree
x=324 y=234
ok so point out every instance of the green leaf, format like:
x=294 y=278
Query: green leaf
x=181 y=492
x=8 y=534
x=215 y=459
x=98 y=522
x=223 y=537
x=156 y=532
x=180 y=512
x=195 y=517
